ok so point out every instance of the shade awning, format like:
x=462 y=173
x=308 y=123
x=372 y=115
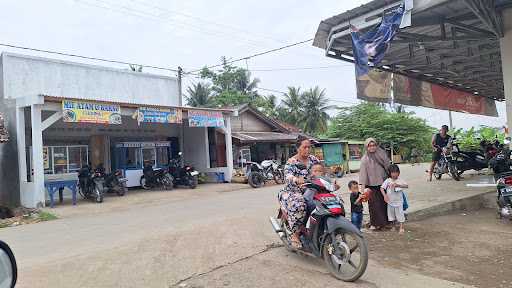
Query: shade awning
x=452 y=43
x=252 y=137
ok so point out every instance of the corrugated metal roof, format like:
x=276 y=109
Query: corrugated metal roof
x=247 y=137
x=466 y=57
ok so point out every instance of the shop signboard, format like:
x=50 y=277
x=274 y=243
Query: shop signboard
x=4 y=135
x=158 y=115
x=201 y=118
x=91 y=112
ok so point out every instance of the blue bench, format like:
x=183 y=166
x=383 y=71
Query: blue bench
x=52 y=186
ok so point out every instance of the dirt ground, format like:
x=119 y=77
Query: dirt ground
x=466 y=247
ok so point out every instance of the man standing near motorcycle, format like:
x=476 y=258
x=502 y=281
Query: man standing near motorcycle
x=439 y=141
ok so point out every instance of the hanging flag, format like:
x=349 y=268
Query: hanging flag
x=371 y=46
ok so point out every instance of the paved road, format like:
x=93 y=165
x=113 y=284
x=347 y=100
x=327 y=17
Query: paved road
x=216 y=236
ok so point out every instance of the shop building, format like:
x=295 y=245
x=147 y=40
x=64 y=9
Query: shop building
x=62 y=115
x=257 y=137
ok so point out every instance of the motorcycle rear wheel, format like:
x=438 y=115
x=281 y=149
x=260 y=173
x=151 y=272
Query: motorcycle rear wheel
x=338 y=262
x=438 y=176
x=255 y=179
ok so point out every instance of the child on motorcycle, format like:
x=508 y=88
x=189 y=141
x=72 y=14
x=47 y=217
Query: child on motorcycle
x=317 y=170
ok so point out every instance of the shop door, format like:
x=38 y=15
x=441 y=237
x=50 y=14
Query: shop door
x=221 y=149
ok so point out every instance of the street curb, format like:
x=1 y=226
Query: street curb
x=483 y=200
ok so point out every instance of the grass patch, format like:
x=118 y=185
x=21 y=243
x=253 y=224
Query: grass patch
x=46 y=216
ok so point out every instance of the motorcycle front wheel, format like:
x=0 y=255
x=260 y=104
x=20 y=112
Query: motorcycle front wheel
x=167 y=181
x=121 y=189
x=192 y=182
x=346 y=255
x=279 y=176
x=454 y=172
x=98 y=193
x=144 y=183
x=255 y=179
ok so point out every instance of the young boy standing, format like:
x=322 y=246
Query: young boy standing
x=356 y=204
x=392 y=191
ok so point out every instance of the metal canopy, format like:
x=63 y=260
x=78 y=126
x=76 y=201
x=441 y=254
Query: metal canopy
x=453 y=43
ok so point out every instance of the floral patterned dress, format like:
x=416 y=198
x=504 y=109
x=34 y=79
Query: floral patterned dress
x=290 y=196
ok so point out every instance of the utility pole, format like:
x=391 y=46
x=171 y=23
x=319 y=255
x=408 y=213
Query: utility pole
x=451 y=120
x=180 y=96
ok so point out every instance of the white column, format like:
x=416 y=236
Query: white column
x=37 y=155
x=229 y=149
x=506 y=64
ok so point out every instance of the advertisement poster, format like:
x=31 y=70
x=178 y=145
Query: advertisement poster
x=46 y=160
x=414 y=92
x=200 y=118
x=90 y=112
x=158 y=115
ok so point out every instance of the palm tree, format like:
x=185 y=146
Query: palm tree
x=314 y=113
x=199 y=95
x=293 y=103
x=245 y=85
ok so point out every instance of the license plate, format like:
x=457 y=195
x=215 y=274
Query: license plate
x=507 y=191
x=194 y=173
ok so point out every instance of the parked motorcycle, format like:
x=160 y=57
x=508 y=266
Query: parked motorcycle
x=8 y=267
x=504 y=194
x=469 y=160
x=116 y=183
x=152 y=178
x=328 y=234
x=259 y=174
x=184 y=175
x=446 y=165
x=91 y=184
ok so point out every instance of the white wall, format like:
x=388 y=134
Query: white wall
x=30 y=76
x=195 y=148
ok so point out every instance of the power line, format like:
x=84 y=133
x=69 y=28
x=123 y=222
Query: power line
x=298 y=68
x=86 y=57
x=144 y=14
x=255 y=55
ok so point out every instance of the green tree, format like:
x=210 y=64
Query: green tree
x=199 y=95
x=370 y=120
x=292 y=105
x=470 y=139
x=232 y=85
x=314 y=117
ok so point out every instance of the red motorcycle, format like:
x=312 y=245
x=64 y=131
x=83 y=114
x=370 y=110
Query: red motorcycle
x=327 y=233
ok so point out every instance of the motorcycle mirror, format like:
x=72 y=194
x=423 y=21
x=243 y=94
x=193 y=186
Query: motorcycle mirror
x=8 y=268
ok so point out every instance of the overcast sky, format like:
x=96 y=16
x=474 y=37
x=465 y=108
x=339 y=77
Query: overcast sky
x=195 y=33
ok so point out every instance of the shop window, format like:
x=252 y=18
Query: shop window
x=162 y=156
x=149 y=156
x=60 y=160
x=132 y=158
x=48 y=160
x=355 y=152
x=77 y=158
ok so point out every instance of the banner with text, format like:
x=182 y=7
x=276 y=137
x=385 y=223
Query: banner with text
x=91 y=112
x=201 y=118
x=409 y=91
x=158 y=115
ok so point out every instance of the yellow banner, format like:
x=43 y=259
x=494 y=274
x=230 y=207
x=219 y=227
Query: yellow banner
x=90 y=112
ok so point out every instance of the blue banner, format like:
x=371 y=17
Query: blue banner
x=158 y=115
x=201 y=118
x=371 y=46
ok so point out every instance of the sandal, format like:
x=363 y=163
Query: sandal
x=295 y=242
